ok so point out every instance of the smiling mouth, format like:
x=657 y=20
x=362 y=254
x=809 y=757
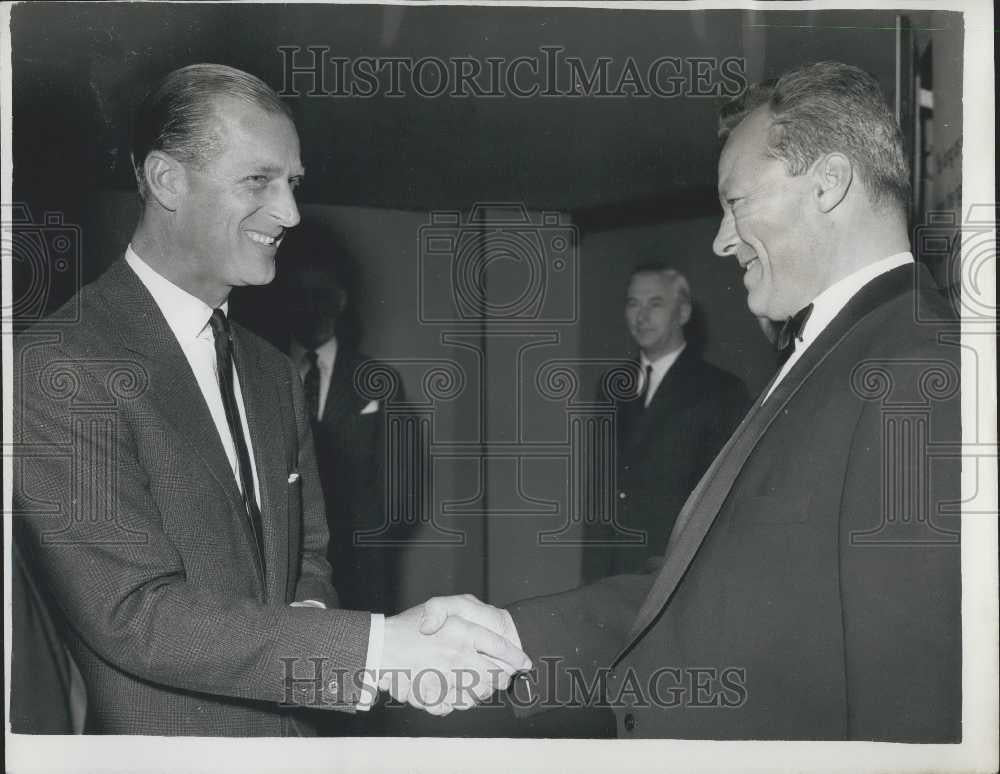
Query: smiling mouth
x=263 y=239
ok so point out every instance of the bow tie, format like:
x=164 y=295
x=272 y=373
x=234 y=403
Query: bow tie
x=792 y=328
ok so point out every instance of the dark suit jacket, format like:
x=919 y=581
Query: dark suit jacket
x=786 y=606
x=351 y=450
x=47 y=695
x=662 y=451
x=132 y=518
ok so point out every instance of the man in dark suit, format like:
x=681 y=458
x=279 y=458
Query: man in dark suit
x=166 y=488
x=667 y=435
x=811 y=585
x=350 y=422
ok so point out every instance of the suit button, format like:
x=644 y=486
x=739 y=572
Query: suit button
x=622 y=496
x=629 y=722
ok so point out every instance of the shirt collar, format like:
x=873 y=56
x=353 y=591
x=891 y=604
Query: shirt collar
x=663 y=363
x=187 y=315
x=326 y=353
x=828 y=304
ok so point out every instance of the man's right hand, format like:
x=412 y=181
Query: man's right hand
x=438 y=609
x=438 y=661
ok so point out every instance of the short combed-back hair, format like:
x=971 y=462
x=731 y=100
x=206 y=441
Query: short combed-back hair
x=178 y=115
x=671 y=275
x=830 y=107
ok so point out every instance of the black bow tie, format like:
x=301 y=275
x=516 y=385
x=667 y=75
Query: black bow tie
x=792 y=328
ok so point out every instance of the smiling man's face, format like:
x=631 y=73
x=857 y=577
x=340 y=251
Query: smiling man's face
x=768 y=223
x=237 y=206
x=655 y=312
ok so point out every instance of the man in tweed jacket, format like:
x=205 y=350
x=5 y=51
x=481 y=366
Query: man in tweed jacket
x=182 y=546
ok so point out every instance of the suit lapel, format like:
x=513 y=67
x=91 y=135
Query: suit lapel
x=263 y=406
x=705 y=502
x=672 y=394
x=630 y=416
x=342 y=400
x=174 y=389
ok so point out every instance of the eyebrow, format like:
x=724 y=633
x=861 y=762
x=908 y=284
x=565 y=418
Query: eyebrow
x=274 y=171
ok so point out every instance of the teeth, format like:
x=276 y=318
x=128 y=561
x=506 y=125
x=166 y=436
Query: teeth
x=263 y=239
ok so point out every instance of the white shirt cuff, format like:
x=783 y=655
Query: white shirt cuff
x=309 y=603
x=373 y=662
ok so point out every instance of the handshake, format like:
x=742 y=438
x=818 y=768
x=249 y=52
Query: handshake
x=449 y=653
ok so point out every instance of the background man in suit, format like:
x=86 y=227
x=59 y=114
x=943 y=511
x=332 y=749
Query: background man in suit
x=349 y=424
x=811 y=586
x=167 y=489
x=683 y=412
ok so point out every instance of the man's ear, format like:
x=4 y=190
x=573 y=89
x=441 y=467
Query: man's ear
x=341 y=301
x=833 y=175
x=165 y=179
x=685 y=311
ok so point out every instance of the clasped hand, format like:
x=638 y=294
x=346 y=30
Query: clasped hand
x=449 y=653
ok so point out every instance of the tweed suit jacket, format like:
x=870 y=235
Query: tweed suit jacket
x=811 y=588
x=662 y=451
x=131 y=515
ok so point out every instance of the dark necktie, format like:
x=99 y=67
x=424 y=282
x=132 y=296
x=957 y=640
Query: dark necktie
x=311 y=384
x=224 y=361
x=647 y=391
x=792 y=329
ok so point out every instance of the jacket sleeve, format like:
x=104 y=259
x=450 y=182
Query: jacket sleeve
x=572 y=638
x=315 y=574
x=85 y=514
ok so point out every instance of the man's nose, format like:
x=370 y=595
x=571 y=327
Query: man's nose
x=726 y=238
x=284 y=208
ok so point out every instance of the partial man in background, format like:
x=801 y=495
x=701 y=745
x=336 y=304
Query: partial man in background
x=350 y=418
x=683 y=411
x=166 y=490
x=362 y=452
x=811 y=586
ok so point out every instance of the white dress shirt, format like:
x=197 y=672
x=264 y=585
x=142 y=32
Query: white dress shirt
x=326 y=357
x=828 y=304
x=660 y=366
x=188 y=319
